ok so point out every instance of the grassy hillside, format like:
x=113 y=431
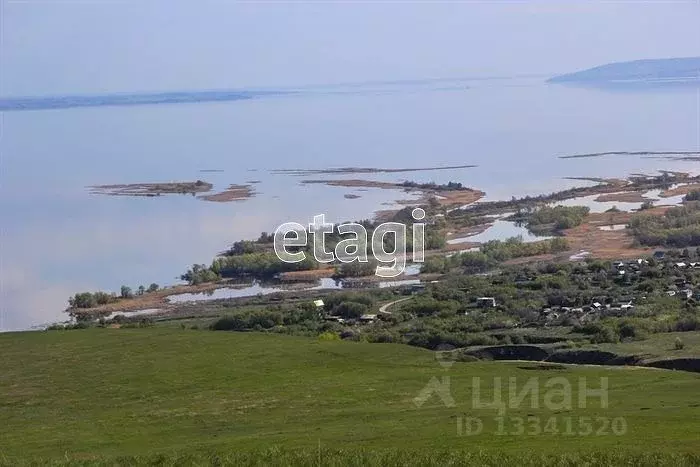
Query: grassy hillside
x=172 y=396
x=659 y=346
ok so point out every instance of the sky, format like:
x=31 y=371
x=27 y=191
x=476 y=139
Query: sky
x=51 y=47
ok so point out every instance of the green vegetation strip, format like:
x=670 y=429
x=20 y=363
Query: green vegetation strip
x=165 y=396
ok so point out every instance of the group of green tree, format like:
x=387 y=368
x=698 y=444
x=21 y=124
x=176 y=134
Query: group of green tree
x=94 y=299
x=492 y=253
x=679 y=227
x=551 y=219
x=447 y=312
x=257 y=258
x=450 y=186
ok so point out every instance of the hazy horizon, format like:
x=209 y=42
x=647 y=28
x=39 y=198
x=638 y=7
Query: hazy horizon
x=66 y=47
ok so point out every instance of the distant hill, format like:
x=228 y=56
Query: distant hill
x=661 y=70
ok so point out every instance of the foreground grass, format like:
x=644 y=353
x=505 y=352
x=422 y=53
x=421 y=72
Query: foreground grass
x=381 y=458
x=164 y=396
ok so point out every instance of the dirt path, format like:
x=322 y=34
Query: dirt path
x=383 y=308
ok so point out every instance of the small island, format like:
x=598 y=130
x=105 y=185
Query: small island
x=152 y=189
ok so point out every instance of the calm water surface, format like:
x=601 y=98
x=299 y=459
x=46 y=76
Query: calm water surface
x=58 y=239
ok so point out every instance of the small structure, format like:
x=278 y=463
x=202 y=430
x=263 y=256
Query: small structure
x=367 y=318
x=659 y=255
x=319 y=303
x=336 y=319
x=486 y=302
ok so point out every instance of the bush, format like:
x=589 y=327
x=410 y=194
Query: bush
x=605 y=335
x=350 y=310
x=229 y=323
x=329 y=336
x=599 y=333
x=678 y=344
x=687 y=324
x=357 y=269
x=199 y=274
x=551 y=219
x=126 y=292
x=646 y=205
x=91 y=300
x=692 y=196
x=629 y=330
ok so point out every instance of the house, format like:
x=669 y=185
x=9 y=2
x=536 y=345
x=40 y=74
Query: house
x=680 y=265
x=319 y=303
x=368 y=318
x=486 y=302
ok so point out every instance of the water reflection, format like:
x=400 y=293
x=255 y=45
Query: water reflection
x=500 y=230
x=255 y=289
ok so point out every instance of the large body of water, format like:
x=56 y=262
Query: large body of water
x=57 y=239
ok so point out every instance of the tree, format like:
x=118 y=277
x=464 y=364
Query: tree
x=152 y=288
x=141 y=290
x=351 y=310
x=646 y=205
x=357 y=269
x=198 y=274
x=126 y=292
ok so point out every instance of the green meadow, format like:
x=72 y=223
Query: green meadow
x=168 y=396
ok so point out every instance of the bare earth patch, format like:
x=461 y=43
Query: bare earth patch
x=625 y=197
x=680 y=190
x=305 y=276
x=608 y=244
